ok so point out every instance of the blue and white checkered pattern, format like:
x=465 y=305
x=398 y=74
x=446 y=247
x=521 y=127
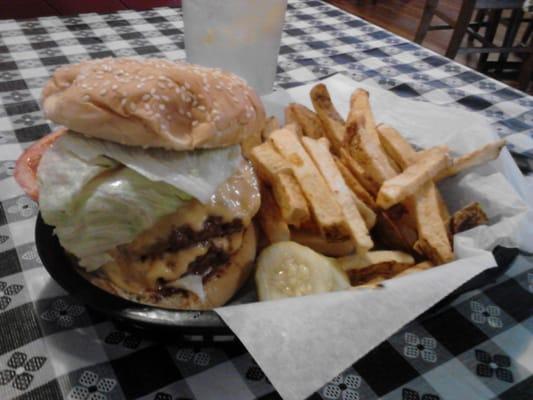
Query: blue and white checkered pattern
x=52 y=347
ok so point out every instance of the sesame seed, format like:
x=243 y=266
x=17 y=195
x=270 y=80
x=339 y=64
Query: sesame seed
x=177 y=89
x=146 y=106
x=85 y=97
x=114 y=87
x=189 y=114
x=165 y=98
x=201 y=108
x=162 y=107
x=123 y=102
x=168 y=117
x=152 y=91
x=161 y=85
x=195 y=123
x=133 y=106
x=103 y=92
x=146 y=97
x=187 y=85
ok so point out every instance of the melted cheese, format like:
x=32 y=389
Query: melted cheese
x=238 y=197
x=136 y=276
x=173 y=265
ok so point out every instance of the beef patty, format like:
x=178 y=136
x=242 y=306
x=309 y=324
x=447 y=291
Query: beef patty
x=184 y=236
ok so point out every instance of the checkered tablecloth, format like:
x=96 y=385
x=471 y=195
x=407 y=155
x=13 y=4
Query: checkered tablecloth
x=51 y=347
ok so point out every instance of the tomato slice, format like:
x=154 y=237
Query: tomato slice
x=28 y=162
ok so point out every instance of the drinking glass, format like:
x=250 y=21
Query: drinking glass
x=241 y=36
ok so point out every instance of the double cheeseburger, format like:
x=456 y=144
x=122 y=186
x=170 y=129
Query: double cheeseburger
x=146 y=185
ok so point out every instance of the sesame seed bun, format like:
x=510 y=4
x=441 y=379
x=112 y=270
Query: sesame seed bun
x=154 y=103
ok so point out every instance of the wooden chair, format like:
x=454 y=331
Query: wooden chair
x=489 y=17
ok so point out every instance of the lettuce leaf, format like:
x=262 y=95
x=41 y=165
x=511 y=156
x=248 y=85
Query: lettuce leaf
x=99 y=194
x=113 y=209
x=99 y=205
x=198 y=173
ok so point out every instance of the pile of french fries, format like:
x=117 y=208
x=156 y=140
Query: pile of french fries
x=343 y=186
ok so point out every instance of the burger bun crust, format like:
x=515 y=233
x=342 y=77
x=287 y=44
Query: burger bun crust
x=154 y=103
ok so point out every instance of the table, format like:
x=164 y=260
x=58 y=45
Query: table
x=52 y=347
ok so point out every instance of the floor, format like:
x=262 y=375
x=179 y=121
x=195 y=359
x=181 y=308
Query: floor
x=402 y=17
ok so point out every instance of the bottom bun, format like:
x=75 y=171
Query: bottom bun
x=218 y=288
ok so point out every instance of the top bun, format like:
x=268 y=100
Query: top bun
x=153 y=103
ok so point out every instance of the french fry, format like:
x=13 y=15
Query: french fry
x=365 y=147
x=467 y=218
x=319 y=152
x=396 y=189
x=480 y=156
x=290 y=120
x=356 y=187
x=332 y=122
x=289 y=116
x=374 y=283
x=427 y=206
x=443 y=207
x=294 y=127
x=386 y=270
x=308 y=120
x=271 y=125
x=362 y=175
x=270 y=218
x=396 y=147
x=273 y=168
x=268 y=162
x=315 y=241
x=250 y=142
x=432 y=235
x=362 y=261
x=425 y=265
x=393 y=233
x=326 y=211
x=291 y=200
x=369 y=216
